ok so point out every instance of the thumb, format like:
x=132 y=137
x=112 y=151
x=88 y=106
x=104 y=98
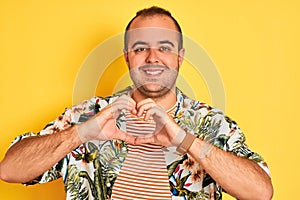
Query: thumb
x=121 y=135
x=144 y=140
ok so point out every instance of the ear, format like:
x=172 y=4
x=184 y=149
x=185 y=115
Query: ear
x=125 y=54
x=181 y=56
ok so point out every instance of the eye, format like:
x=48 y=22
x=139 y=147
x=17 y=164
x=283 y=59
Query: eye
x=140 y=49
x=165 y=48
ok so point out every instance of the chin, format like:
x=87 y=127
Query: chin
x=151 y=92
x=153 y=87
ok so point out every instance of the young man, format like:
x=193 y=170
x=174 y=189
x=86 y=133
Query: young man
x=148 y=141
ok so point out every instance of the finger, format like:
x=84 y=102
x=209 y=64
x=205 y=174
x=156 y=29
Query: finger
x=121 y=135
x=132 y=106
x=149 y=114
x=117 y=108
x=145 y=101
x=127 y=98
x=144 y=140
x=130 y=103
x=145 y=107
x=124 y=102
x=157 y=113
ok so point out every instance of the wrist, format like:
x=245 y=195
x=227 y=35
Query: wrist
x=178 y=138
x=205 y=149
x=186 y=143
x=81 y=131
x=200 y=149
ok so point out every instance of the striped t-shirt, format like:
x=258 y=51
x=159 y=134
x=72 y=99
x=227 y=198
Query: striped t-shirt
x=143 y=174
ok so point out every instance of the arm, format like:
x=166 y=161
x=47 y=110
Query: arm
x=240 y=177
x=32 y=156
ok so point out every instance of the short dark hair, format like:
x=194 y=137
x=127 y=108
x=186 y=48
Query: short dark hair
x=152 y=11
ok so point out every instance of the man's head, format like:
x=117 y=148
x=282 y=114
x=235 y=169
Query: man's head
x=153 y=52
x=150 y=12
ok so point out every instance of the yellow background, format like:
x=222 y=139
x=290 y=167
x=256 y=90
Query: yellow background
x=254 y=45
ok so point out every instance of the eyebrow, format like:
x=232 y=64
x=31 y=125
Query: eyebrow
x=167 y=42
x=145 y=43
x=138 y=43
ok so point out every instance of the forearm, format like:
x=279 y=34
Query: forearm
x=31 y=157
x=240 y=177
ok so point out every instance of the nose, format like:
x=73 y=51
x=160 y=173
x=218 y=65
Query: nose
x=152 y=56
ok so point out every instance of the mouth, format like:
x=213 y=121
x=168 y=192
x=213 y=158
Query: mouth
x=153 y=70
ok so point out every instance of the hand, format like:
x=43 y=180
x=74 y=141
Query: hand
x=103 y=125
x=167 y=131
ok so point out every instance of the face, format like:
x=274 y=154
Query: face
x=153 y=56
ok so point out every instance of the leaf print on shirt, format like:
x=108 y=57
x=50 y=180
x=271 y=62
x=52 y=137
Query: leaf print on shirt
x=74 y=184
x=209 y=127
x=88 y=154
x=112 y=155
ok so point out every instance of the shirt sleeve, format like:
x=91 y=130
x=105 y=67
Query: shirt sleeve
x=225 y=134
x=74 y=115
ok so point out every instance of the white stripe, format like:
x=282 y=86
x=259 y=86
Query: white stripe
x=146 y=164
x=137 y=187
x=134 y=197
x=140 y=182
x=139 y=124
x=138 y=170
x=155 y=155
x=137 y=192
x=145 y=146
x=148 y=156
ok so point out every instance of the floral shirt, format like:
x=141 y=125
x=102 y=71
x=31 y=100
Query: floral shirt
x=89 y=171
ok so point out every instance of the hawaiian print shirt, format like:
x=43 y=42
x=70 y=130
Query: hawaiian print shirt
x=89 y=171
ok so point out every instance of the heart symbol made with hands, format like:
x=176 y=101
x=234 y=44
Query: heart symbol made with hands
x=103 y=125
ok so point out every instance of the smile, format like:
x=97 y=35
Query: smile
x=153 y=72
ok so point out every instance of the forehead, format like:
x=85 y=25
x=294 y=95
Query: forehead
x=153 y=29
x=152 y=35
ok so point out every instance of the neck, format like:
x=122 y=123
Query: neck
x=167 y=101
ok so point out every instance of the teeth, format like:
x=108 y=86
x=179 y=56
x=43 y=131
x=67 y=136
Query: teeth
x=153 y=72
